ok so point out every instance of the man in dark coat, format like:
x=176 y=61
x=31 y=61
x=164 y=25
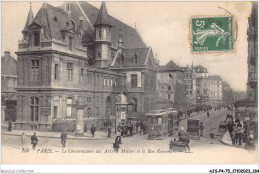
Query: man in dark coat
x=63 y=138
x=116 y=144
x=208 y=114
x=9 y=126
x=34 y=141
x=93 y=130
x=109 y=132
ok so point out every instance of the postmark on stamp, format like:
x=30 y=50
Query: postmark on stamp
x=211 y=34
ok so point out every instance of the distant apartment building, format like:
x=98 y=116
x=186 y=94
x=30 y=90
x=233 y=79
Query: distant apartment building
x=227 y=94
x=190 y=85
x=170 y=86
x=8 y=87
x=202 y=86
x=215 y=90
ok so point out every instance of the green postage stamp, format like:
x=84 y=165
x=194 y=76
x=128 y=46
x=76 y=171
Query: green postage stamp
x=212 y=34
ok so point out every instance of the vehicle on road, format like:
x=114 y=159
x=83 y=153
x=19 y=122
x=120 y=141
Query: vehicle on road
x=161 y=123
x=193 y=128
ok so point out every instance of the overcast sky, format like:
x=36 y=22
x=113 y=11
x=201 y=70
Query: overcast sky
x=164 y=26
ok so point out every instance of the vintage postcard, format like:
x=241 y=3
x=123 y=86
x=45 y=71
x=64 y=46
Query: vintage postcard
x=129 y=82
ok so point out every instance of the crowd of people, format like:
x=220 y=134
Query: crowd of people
x=238 y=132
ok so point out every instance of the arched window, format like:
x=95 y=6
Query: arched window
x=132 y=107
x=34 y=108
x=108 y=100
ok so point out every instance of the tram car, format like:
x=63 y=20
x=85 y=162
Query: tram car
x=161 y=123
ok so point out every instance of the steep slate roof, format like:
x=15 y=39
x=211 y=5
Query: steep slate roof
x=130 y=36
x=215 y=77
x=200 y=69
x=129 y=57
x=170 y=66
x=8 y=65
x=29 y=20
x=102 y=18
x=54 y=21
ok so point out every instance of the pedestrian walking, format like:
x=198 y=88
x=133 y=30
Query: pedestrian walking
x=63 y=138
x=211 y=134
x=208 y=114
x=109 y=132
x=85 y=126
x=34 y=141
x=201 y=129
x=93 y=130
x=131 y=127
x=116 y=144
x=10 y=126
x=73 y=126
x=141 y=128
x=23 y=139
x=137 y=126
x=240 y=135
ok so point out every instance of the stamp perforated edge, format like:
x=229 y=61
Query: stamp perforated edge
x=234 y=27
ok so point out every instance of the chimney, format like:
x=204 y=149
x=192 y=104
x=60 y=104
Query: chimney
x=7 y=53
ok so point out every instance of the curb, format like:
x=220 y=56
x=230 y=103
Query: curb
x=231 y=145
x=75 y=138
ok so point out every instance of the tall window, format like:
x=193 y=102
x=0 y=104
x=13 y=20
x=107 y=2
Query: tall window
x=35 y=70
x=99 y=34
x=134 y=80
x=34 y=108
x=55 y=112
x=69 y=107
x=89 y=79
x=89 y=112
x=81 y=75
x=36 y=39
x=70 y=43
x=98 y=111
x=56 y=71
x=89 y=99
x=105 y=81
x=70 y=71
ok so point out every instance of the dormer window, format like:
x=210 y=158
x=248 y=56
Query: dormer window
x=135 y=59
x=55 y=19
x=73 y=25
x=122 y=60
x=36 y=39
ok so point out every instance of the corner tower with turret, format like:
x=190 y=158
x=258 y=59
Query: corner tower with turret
x=102 y=38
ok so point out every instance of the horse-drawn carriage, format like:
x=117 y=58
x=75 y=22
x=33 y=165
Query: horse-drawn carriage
x=193 y=128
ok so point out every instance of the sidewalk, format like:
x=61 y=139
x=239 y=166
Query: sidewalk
x=227 y=141
x=99 y=135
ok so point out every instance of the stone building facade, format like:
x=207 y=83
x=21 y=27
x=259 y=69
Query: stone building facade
x=215 y=90
x=202 y=85
x=8 y=87
x=171 y=88
x=76 y=55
